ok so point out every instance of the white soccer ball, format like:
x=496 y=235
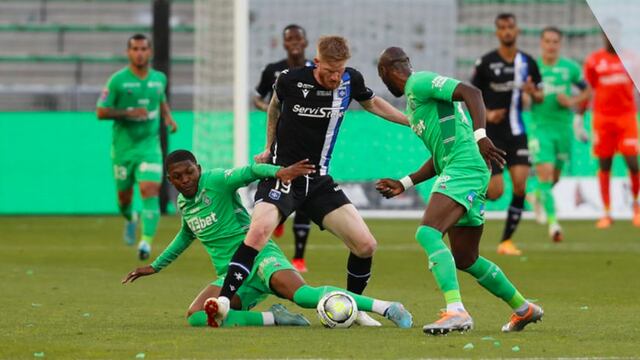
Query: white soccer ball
x=337 y=309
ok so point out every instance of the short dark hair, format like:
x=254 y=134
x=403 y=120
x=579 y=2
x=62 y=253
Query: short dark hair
x=553 y=29
x=294 y=27
x=505 y=16
x=178 y=156
x=138 y=37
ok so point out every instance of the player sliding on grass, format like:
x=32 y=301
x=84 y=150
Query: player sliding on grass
x=212 y=211
x=456 y=206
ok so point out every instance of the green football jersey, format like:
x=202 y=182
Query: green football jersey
x=439 y=122
x=124 y=90
x=215 y=215
x=557 y=79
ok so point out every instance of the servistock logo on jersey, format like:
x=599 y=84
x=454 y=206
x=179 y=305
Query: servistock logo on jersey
x=316 y=112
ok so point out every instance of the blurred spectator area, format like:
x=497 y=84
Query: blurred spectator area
x=57 y=54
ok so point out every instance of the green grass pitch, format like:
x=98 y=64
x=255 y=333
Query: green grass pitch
x=61 y=296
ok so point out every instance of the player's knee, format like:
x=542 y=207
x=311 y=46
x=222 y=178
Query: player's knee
x=465 y=260
x=366 y=248
x=258 y=234
x=494 y=193
x=124 y=198
x=148 y=190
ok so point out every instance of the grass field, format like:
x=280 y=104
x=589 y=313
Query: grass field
x=62 y=297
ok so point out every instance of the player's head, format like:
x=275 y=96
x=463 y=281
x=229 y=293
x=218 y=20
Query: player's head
x=294 y=40
x=506 y=29
x=139 y=50
x=183 y=172
x=550 y=41
x=331 y=60
x=394 y=67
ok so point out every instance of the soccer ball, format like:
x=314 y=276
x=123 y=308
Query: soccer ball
x=337 y=310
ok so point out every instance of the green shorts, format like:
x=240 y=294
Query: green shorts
x=468 y=187
x=127 y=172
x=256 y=288
x=550 y=145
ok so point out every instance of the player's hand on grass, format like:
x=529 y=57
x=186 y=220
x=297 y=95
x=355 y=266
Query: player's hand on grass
x=491 y=153
x=263 y=157
x=141 y=271
x=138 y=114
x=291 y=172
x=173 y=127
x=496 y=116
x=389 y=187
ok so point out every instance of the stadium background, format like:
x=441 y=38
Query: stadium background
x=57 y=54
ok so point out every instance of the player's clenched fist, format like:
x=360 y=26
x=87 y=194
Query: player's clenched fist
x=389 y=187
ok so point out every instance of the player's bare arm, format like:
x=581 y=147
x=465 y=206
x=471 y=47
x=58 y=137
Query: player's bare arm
x=260 y=104
x=472 y=97
x=576 y=100
x=168 y=119
x=273 y=113
x=382 y=108
x=530 y=88
x=391 y=187
x=137 y=114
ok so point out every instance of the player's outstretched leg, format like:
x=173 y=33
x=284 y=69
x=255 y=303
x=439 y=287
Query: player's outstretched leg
x=301 y=229
x=204 y=311
x=464 y=244
x=290 y=285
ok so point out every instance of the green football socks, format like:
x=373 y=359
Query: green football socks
x=308 y=297
x=234 y=318
x=491 y=277
x=125 y=210
x=150 y=218
x=441 y=263
x=546 y=197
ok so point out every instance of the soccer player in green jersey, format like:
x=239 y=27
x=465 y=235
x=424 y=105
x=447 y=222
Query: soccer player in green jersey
x=461 y=154
x=552 y=129
x=212 y=212
x=134 y=98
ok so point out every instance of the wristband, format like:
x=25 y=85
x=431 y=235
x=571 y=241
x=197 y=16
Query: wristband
x=480 y=134
x=406 y=182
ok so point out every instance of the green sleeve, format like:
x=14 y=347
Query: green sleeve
x=428 y=85
x=109 y=94
x=576 y=73
x=238 y=177
x=180 y=243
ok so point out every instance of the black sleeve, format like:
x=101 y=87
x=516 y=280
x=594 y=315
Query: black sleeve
x=535 y=73
x=359 y=91
x=280 y=85
x=266 y=82
x=477 y=78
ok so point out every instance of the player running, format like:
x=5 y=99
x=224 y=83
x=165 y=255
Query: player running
x=294 y=39
x=503 y=75
x=304 y=118
x=212 y=211
x=461 y=156
x=134 y=98
x=615 y=127
x=551 y=130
